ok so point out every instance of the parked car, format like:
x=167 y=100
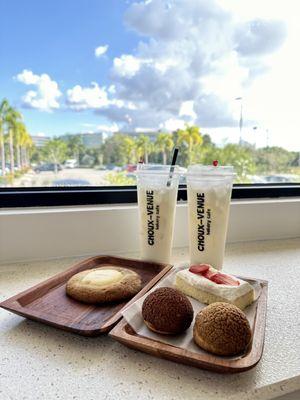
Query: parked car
x=256 y=179
x=71 y=182
x=110 y=167
x=131 y=167
x=278 y=179
x=113 y=167
x=47 y=167
x=71 y=163
x=7 y=170
x=101 y=168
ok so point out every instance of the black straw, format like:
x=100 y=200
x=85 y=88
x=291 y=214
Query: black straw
x=174 y=158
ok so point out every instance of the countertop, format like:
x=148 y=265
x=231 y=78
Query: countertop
x=40 y=362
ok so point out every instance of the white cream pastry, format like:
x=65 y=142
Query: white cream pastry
x=209 y=285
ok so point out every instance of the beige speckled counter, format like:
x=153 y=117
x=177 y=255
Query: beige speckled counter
x=40 y=362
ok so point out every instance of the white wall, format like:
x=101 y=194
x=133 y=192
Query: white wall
x=27 y=234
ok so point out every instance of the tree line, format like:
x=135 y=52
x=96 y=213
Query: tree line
x=197 y=148
x=194 y=147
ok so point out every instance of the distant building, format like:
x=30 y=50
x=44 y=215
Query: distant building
x=89 y=140
x=92 y=140
x=40 y=141
x=152 y=135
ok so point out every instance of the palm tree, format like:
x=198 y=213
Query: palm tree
x=143 y=147
x=27 y=145
x=190 y=137
x=4 y=106
x=75 y=146
x=12 y=119
x=23 y=142
x=20 y=131
x=128 y=147
x=163 y=144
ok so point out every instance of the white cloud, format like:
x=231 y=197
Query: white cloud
x=195 y=53
x=172 y=124
x=126 y=65
x=46 y=94
x=187 y=110
x=101 y=50
x=82 y=98
x=87 y=124
x=95 y=98
x=28 y=77
x=111 y=89
x=143 y=130
x=193 y=59
x=108 y=128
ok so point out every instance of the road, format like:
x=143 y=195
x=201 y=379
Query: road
x=47 y=178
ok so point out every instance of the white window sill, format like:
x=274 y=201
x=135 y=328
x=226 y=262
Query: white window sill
x=39 y=233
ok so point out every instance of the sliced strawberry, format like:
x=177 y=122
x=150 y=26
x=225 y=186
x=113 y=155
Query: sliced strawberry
x=209 y=274
x=217 y=277
x=199 y=269
x=223 y=279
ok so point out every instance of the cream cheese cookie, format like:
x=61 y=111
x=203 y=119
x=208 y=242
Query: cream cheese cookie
x=103 y=285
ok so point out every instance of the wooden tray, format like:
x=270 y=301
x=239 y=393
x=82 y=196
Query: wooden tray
x=47 y=301
x=126 y=335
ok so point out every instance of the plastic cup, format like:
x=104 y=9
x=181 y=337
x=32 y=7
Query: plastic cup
x=209 y=192
x=157 y=195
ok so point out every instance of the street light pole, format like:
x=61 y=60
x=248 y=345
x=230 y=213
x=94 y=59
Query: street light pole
x=267 y=137
x=240 y=99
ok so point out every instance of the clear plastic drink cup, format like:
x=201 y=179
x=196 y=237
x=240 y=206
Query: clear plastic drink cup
x=157 y=195
x=209 y=192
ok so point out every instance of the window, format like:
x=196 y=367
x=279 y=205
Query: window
x=88 y=91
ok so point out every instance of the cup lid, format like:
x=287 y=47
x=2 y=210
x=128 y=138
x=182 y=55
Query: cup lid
x=211 y=170
x=157 y=169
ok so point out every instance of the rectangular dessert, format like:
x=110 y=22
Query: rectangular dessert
x=208 y=285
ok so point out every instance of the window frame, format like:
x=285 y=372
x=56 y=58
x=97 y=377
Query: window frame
x=103 y=195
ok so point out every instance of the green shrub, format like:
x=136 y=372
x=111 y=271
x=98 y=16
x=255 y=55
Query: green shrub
x=119 y=178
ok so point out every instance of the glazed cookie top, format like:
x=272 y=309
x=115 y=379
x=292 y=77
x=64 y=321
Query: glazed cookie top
x=102 y=277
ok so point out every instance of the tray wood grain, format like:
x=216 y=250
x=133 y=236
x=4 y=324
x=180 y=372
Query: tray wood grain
x=47 y=301
x=124 y=333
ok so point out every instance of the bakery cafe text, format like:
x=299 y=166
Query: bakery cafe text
x=201 y=218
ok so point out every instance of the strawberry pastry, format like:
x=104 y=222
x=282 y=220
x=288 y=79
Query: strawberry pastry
x=208 y=285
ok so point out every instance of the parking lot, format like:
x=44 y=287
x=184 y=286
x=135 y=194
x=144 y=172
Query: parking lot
x=94 y=177
x=66 y=177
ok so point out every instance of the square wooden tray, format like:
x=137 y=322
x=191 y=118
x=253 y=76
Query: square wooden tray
x=125 y=334
x=47 y=302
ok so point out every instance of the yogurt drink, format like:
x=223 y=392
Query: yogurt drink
x=157 y=195
x=209 y=192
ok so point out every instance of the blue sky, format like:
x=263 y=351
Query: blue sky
x=164 y=63
x=59 y=38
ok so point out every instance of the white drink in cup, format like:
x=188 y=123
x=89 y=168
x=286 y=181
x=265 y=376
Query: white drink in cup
x=157 y=195
x=209 y=192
